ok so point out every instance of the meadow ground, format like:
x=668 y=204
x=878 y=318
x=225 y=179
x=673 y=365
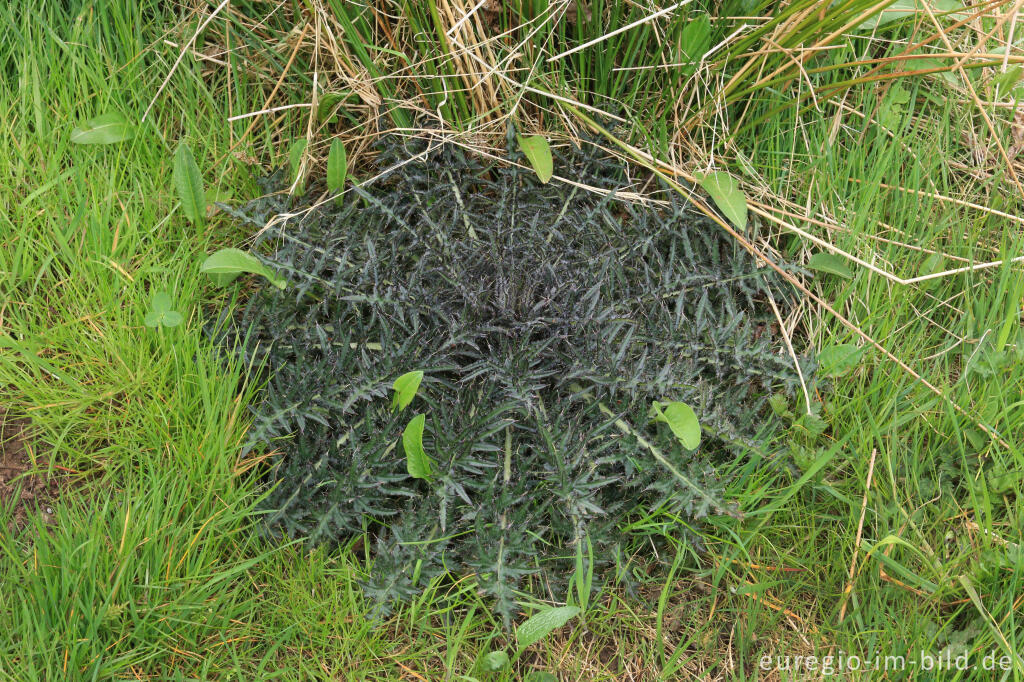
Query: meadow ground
x=129 y=533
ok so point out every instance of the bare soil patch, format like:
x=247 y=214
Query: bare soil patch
x=25 y=486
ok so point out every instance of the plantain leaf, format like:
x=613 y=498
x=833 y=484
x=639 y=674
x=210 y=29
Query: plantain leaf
x=189 y=184
x=683 y=421
x=542 y=624
x=417 y=463
x=405 y=389
x=727 y=195
x=831 y=264
x=106 y=129
x=538 y=153
x=227 y=264
x=495 y=661
x=838 y=359
x=337 y=166
x=694 y=42
x=295 y=153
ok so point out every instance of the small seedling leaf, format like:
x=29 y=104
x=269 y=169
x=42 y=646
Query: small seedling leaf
x=542 y=624
x=831 y=264
x=494 y=661
x=337 y=166
x=229 y=263
x=780 y=405
x=728 y=196
x=540 y=676
x=405 y=388
x=838 y=359
x=538 y=152
x=295 y=153
x=189 y=184
x=161 y=313
x=683 y=421
x=416 y=460
x=106 y=129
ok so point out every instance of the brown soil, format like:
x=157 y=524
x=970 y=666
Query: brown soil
x=25 y=489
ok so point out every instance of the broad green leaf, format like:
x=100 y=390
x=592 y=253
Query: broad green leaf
x=683 y=421
x=295 y=153
x=812 y=423
x=161 y=302
x=405 y=388
x=327 y=107
x=337 y=166
x=160 y=312
x=494 y=661
x=694 y=42
x=106 y=129
x=831 y=264
x=538 y=153
x=189 y=184
x=838 y=359
x=932 y=264
x=540 y=676
x=215 y=196
x=946 y=64
x=542 y=624
x=728 y=196
x=231 y=262
x=780 y=405
x=172 y=318
x=417 y=463
x=901 y=9
x=1004 y=83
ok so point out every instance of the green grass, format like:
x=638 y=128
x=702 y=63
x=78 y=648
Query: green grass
x=155 y=567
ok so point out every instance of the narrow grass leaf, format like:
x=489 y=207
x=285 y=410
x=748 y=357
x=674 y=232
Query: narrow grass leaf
x=232 y=262
x=831 y=264
x=727 y=195
x=106 y=129
x=189 y=184
x=416 y=460
x=542 y=624
x=538 y=152
x=405 y=388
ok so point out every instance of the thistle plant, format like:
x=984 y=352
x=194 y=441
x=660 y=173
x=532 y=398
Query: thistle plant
x=547 y=329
